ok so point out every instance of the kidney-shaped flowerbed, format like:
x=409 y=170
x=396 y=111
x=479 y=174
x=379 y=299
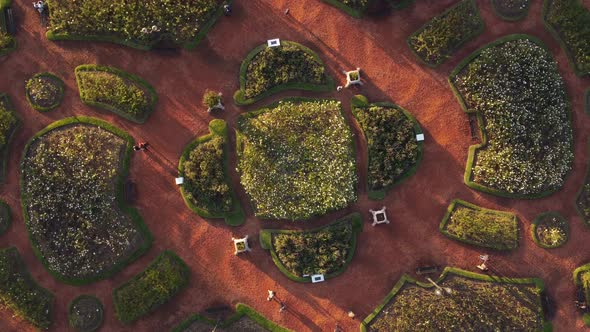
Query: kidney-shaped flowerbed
x=326 y=250
x=515 y=89
x=72 y=199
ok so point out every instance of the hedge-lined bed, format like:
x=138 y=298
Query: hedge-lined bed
x=73 y=202
x=85 y=313
x=296 y=158
x=177 y=22
x=569 y=22
x=112 y=89
x=358 y=8
x=390 y=132
x=550 y=230
x=5 y=217
x=511 y=10
x=245 y=319
x=325 y=250
x=444 y=34
x=164 y=277
x=469 y=223
x=20 y=293
x=477 y=303
x=7 y=42
x=9 y=123
x=515 y=89
x=268 y=70
x=44 y=91
x=582 y=280
x=207 y=188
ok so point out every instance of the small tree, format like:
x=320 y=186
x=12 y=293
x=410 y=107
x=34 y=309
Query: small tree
x=212 y=100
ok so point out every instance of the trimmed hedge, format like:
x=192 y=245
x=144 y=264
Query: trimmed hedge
x=56 y=88
x=444 y=34
x=112 y=89
x=555 y=221
x=234 y=216
x=163 y=278
x=481 y=227
x=9 y=123
x=87 y=317
x=584 y=282
x=119 y=196
x=242 y=311
x=20 y=293
x=311 y=251
x=515 y=10
x=268 y=86
x=7 y=42
x=5 y=217
x=407 y=281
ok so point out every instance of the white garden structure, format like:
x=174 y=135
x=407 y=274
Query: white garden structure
x=379 y=216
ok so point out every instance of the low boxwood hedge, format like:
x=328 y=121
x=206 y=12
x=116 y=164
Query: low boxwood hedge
x=44 y=91
x=5 y=217
x=9 y=123
x=550 y=230
x=511 y=10
x=582 y=279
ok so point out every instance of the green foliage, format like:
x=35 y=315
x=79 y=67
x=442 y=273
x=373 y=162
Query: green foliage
x=571 y=21
x=85 y=313
x=6 y=41
x=296 y=159
x=44 y=91
x=511 y=10
x=156 y=285
x=438 y=39
x=20 y=293
x=7 y=121
x=211 y=99
x=5 y=217
x=586 y=319
x=550 y=230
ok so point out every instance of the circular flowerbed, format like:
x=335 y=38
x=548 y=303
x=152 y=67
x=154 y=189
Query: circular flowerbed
x=85 y=313
x=550 y=230
x=44 y=91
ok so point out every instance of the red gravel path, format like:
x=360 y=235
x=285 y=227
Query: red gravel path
x=384 y=253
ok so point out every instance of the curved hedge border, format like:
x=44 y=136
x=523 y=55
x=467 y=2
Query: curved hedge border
x=6 y=4
x=235 y=217
x=120 y=197
x=267 y=244
x=6 y=214
x=539 y=219
x=57 y=102
x=578 y=282
x=239 y=97
x=5 y=149
x=360 y=101
x=241 y=311
x=522 y=15
x=467 y=177
x=140 y=82
x=71 y=308
x=459 y=272
x=458 y=202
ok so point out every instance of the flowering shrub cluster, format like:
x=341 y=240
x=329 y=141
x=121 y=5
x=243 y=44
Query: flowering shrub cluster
x=516 y=87
x=69 y=177
x=550 y=230
x=44 y=91
x=296 y=159
x=6 y=41
x=7 y=120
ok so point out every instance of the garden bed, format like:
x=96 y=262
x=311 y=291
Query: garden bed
x=550 y=230
x=5 y=217
x=9 y=123
x=511 y=10
x=207 y=188
x=166 y=275
x=582 y=280
x=72 y=199
x=515 y=89
x=20 y=293
x=85 y=313
x=393 y=151
x=181 y=23
x=7 y=42
x=583 y=199
x=44 y=91
x=443 y=35
x=269 y=70
x=114 y=90
x=474 y=225
x=326 y=250
x=568 y=22
x=477 y=303
x=296 y=159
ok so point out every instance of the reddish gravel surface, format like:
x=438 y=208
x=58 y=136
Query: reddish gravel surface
x=384 y=253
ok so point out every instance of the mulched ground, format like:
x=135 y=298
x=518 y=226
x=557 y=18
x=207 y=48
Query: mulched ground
x=384 y=253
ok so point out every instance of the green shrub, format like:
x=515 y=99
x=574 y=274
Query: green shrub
x=20 y=293
x=156 y=285
x=85 y=313
x=7 y=120
x=211 y=99
x=44 y=91
x=550 y=230
x=6 y=42
x=438 y=39
x=570 y=20
x=5 y=217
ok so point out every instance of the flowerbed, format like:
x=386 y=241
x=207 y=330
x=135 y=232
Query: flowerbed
x=569 y=21
x=5 y=217
x=268 y=70
x=511 y=10
x=582 y=280
x=296 y=159
x=8 y=125
x=20 y=293
x=326 y=250
x=477 y=303
x=44 y=91
x=157 y=284
x=390 y=132
x=206 y=188
x=443 y=35
x=471 y=224
x=85 y=313
x=550 y=230
x=109 y=88
x=7 y=42
x=515 y=89
x=72 y=199
x=130 y=23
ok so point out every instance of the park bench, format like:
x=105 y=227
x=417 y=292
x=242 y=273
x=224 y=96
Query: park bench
x=427 y=269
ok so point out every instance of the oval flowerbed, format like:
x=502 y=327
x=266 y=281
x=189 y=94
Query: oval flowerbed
x=44 y=91
x=268 y=70
x=511 y=10
x=85 y=313
x=550 y=230
x=112 y=89
x=519 y=97
x=9 y=122
x=582 y=281
x=326 y=250
x=206 y=188
x=72 y=198
x=5 y=217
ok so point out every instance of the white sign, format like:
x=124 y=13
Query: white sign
x=273 y=42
